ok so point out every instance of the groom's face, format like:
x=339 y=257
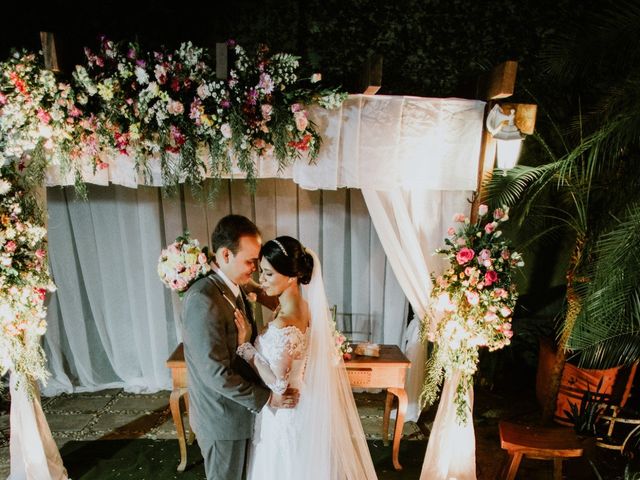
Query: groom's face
x=238 y=267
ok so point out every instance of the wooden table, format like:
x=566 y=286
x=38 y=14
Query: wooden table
x=387 y=371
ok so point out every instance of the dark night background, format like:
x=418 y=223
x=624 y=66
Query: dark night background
x=430 y=47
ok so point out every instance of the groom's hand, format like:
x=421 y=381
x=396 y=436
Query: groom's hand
x=289 y=399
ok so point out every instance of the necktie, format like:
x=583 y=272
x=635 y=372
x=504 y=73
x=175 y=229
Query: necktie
x=241 y=306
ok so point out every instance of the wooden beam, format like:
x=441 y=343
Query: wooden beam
x=502 y=80
x=49 y=51
x=372 y=75
x=222 y=61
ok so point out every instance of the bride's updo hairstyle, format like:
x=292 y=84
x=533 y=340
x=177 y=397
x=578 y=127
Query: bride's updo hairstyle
x=288 y=257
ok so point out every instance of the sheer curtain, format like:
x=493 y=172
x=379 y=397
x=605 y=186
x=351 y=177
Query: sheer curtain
x=411 y=225
x=111 y=321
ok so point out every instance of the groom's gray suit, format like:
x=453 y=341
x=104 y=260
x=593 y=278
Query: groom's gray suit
x=224 y=391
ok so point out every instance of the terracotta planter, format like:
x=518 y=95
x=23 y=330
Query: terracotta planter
x=576 y=382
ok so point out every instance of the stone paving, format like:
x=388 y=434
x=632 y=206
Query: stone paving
x=115 y=414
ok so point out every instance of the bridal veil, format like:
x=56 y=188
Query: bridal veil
x=333 y=445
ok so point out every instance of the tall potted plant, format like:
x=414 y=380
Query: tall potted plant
x=591 y=189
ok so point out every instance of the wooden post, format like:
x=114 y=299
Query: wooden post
x=222 y=61
x=372 y=75
x=49 y=51
x=499 y=84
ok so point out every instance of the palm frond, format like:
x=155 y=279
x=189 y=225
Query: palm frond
x=611 y=298
x=611 y=352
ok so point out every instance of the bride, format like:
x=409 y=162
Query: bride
x=322 y=438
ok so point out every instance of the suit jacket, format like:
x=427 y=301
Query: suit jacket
x=224 y=391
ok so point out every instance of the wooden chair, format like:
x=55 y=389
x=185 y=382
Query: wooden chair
x=357 y=327
x=544 y=443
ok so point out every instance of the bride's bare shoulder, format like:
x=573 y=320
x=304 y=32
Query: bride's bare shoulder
x=284 y=320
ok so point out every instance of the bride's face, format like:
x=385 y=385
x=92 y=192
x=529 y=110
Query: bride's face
x=272 y=282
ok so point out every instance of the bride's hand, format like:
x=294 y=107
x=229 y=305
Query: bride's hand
x=244 y=327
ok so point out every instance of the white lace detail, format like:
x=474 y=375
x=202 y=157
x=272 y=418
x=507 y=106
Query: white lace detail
x=278 y=341
x=246 y=351
x=283 y=350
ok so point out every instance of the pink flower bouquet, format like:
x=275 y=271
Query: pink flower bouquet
x=182 y=263
x=472 y=301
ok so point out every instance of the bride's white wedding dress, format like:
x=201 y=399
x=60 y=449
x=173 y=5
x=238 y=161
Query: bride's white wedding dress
x=278 y=432
x=322 y=438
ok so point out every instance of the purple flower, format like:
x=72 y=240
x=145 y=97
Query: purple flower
x=252 y=96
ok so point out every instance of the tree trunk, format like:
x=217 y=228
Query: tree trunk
x=574 y=305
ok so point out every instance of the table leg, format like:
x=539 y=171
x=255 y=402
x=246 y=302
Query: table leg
x=388 y=404
x=514 y=464
x=174 y=404
x=557 y=468
x=397 y=433
x=192 y=436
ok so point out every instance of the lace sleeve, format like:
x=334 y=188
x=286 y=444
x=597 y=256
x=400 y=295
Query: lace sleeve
x=281 y=347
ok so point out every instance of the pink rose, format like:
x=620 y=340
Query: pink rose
x=175 y=108
x=490 y=227
x=451 y=231
x=296 y=107
x=484 y=254
x=490 y=277
x=500 y=293
x=40 y=253
x=490 y=317
x=301 y=120
x=266 y=111
x=459 y=217
x=469 y=271
x=464 y=255
x=482 y=210
x=505 y=254
x=498 y=213
x=10 y=246
x=505 y=311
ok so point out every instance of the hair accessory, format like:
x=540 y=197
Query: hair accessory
x=281 y=247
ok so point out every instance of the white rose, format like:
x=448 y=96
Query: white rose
x=225 y=129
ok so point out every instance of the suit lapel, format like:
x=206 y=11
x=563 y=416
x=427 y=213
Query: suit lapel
x=224 y=289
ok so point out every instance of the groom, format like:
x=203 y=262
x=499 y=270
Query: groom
x=224 y=391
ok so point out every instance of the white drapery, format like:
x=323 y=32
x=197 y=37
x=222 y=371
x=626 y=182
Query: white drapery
x=34 y=454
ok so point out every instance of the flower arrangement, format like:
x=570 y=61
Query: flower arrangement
x=182 y=263
x=161 y=104
x=472 y=302
x=342 y=344
x=24 y=282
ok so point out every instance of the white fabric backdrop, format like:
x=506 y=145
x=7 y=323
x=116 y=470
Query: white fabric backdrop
x=113 y=324
x=375 y=142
